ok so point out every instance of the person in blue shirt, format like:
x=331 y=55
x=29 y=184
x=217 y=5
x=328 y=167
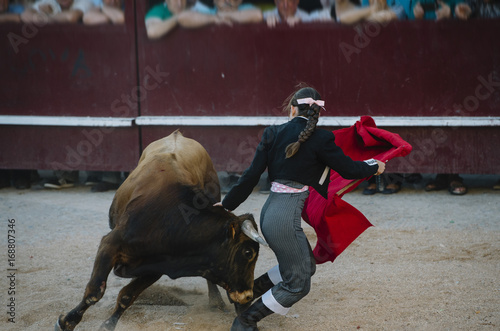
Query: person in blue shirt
x=10 y=12
x=165 y=16
x=431 y=9
x=225 y=12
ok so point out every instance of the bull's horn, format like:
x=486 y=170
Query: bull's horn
x=248 y=229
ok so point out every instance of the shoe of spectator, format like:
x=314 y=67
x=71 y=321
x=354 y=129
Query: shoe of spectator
x=39 y=185
x=59 y=184
x=435 y=185
x=370 y=189
x=91 y=181
x=457 y=188
x=104 y=186
x=392 y=188
x=22 y=183
x=497 y=186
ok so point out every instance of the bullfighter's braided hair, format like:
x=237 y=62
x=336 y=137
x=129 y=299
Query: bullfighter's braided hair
x=306 y=110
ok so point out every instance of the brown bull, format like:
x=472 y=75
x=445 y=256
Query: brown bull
x=163 y=222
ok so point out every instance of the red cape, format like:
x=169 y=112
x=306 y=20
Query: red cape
x=337 y=223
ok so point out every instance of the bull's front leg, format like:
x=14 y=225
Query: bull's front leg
x=96 y=286
x=214 y=297
x=126 y=297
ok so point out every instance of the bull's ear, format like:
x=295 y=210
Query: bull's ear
x=232 y=229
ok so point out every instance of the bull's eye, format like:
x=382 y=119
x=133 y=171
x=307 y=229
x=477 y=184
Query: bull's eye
x=248 y=253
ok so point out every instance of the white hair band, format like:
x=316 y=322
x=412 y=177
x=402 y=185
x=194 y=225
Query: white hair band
x=310 y=101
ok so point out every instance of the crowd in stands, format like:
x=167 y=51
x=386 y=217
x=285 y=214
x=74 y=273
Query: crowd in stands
x=164 y=15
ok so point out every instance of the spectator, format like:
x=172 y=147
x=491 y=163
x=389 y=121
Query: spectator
x=10 y=12
x=319 y=10
x=372 y=187
x=390 y=183
x=434 y=9
x=56 y=11
x=329 y=6
x=105 y=11
x=478 y=9
x=288 y=11
x=396 y=11
x=453 y=182
x=349 y=12
x=63 y=179
x=225 y=12
x=163 y=18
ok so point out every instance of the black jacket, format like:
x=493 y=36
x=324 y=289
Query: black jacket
x=305 y=167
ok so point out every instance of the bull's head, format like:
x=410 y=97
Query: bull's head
x=243 y=249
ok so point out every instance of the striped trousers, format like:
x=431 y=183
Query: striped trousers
x=280 y=222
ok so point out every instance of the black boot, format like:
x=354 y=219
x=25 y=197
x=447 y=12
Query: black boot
x=260 y=286
x=247 y=321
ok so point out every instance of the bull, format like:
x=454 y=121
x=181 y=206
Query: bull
x=163 y=222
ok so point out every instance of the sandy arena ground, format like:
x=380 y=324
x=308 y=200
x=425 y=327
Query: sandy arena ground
x=431 y=262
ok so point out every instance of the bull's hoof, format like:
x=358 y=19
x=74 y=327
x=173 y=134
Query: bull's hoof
x=63 y=326
x=215 y=302
x=108 y=325
x=220 y=305
x=57 y=327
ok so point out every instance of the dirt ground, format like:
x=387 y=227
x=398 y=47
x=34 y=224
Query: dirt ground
x=431 y=262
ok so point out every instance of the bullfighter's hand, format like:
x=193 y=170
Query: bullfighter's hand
x=381 y=168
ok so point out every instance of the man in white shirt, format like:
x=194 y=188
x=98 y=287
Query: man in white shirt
x=105 y=11
x=56 y=11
